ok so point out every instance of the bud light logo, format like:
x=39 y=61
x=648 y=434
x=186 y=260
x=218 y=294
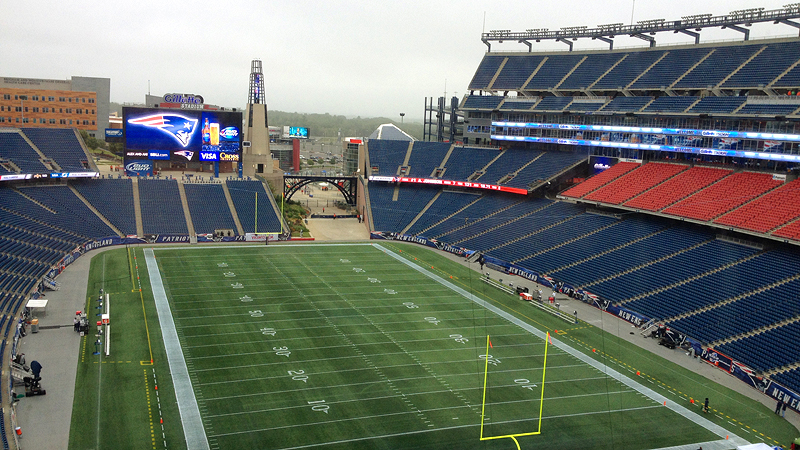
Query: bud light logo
x=139 y=168
x=229 y=134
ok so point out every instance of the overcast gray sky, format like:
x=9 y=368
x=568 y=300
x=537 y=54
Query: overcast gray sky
x=367 y=58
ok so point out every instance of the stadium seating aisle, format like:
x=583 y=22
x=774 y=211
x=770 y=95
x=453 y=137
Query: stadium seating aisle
x=209 y=208
x=516 y=71
x=464 y=161
x=426 y=157
x=728 y=193
x=445 y=205
x=790 y=231
x=767 y=212
x=768 y=350
x=635 y=182
x=65 y=210
x=14 y=147
x=389 y=215
x=61 y=145
x=386 y=156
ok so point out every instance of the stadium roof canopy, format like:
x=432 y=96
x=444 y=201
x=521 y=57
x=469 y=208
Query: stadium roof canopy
x=390 y=132
x=691 y=25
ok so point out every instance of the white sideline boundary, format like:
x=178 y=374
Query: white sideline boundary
x=732 y=439
x=193 y=429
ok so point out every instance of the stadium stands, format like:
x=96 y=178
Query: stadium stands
x=243 y=194
x=767 y=350
x=464 y=161
x=790 y=231
x=15 y=148
x=386 y=155
x=635 y=182
x=590 y=70
x=486 y=71
x=395 y=215
x=60 y=145
x=445 y=205
x=677 y=188
x=516 y=71
x=544 y=167
x=113 y=198
x=625 y=104
x=208 y=208
x=667 y=104
x=552 y=71
x=775 y=59
x=669 y=68
x=58 y=205
x=161 y=206
x=726 y=194
x=767 y=212
x=426 y=157
x=600 y=179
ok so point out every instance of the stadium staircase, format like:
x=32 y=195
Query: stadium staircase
x=137 y=207
x=94 y=210
x=33 y=200
x=700 y=61
x=421 y=213
x=497 y=73
x=479 y=173
x=494 y=228
x=186 y=214
x=648 y=263
x=443 y=165
x=613 y=66
x=563 y=243
x=789 y=69
x=655 y=63
x=47 y=162
x=234 y=213
x=742 y=65
x=755 y=332
x=513 y=174
x=689 y=279
x=599 y=254
x=574 y=68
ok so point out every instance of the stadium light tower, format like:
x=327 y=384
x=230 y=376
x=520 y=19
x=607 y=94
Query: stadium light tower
x=256 y=93
x=256 y=156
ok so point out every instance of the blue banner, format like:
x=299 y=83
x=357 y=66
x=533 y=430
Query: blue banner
x=138 y=168
x=390 y=236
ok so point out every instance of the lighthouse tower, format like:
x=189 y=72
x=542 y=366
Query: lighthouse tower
x=256 y=159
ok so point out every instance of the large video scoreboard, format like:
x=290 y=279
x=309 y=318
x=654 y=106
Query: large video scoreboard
x=153 y=134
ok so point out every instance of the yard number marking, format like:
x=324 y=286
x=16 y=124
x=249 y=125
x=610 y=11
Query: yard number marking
x=490 y=359
x=229 y=274
x=432 y=320
x=268 y=331
x=222 y=265
x=410 y=305
x=344 y=260
x=237 y=285
x=299 y=375
x=525 y=383
x=246 y=298
x=256 y=313
x=374 y=280
x=458 y=338
x=319 y=406
x=282 y=351
x=390 y=291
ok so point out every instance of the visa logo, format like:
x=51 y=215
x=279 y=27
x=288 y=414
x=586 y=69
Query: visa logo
x=209 y=156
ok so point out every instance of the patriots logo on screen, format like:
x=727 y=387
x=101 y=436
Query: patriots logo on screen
x=186 y=154
x=179 y=127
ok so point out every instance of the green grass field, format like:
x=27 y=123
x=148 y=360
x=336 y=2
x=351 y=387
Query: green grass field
x=348 y=346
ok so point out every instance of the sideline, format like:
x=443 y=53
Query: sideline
x=733 y=439
x=193 y=428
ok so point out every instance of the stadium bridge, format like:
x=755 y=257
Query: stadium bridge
x=345 y=185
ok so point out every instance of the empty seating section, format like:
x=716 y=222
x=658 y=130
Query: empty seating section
x=721 y=63
x=70 y=213
x=790 y=378
x=600 y=179
x=388 y=215
x=387 y=156
x=425 y=157
x=544 y=167
x=553 y=103
x=585 y=106
x=162 y=210
x=635 y=182
x=773 y=348
x=60 y=145
x=762 y=108
x=628 y=69
x=552 y=71
x=666 y=104
x=755 y=311
x=463 y=161
x=790 y=80
x=113 y=198
x=670 y=68
x=15 y=148
x=509 y=161
x=479 y=226
x=604 y=240
x=623 y=103
x=717 y=105
x=674 y=269
x=766 y=66
x=518 y=105
x=516 y=71
x=445 y=205
x=209 y=208
x=590 y=70
x=767 y=212
x=548 y=214
x=243 y=194
x=475 y=211
x=727 y=283
x=723 y=196
x=790 y=231
x=676 y=188
x=486 y=71
x=575 y=227
x=482 y=102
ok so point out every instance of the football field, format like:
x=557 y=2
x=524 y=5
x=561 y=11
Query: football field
x=364 y=346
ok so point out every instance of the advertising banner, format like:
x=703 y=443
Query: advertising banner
x=390 y=236
x=138 y=168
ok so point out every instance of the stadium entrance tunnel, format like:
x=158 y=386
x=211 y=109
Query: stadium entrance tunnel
x=345 y=185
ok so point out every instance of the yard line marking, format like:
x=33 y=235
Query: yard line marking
x=193 y=428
